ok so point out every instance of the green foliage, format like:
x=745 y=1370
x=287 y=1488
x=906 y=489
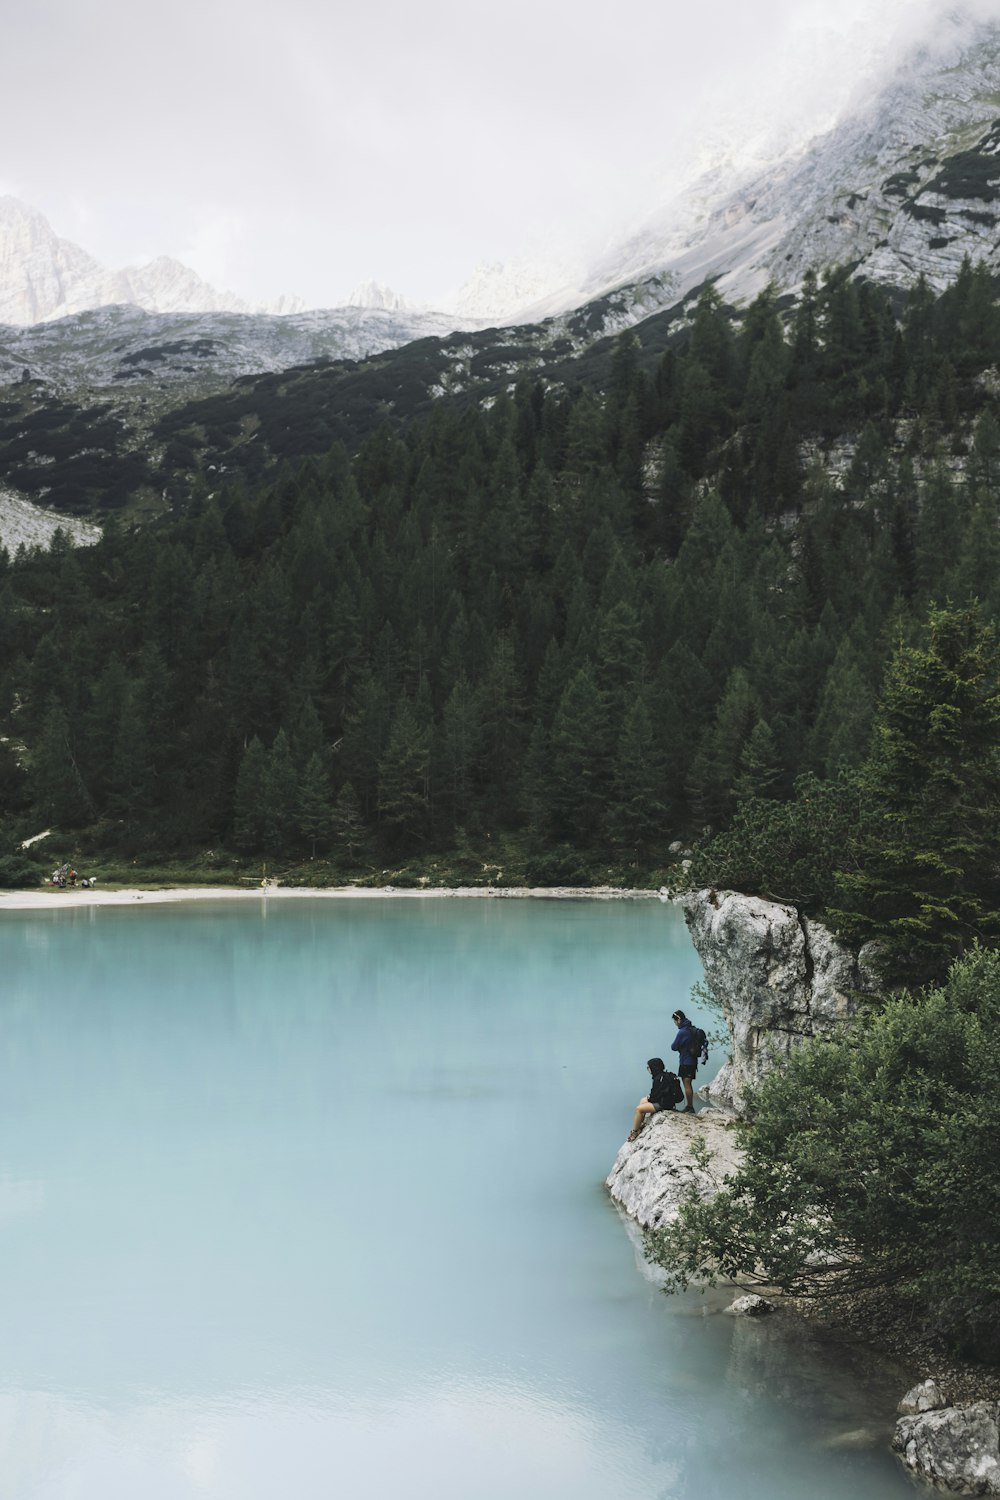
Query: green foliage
x=870 y=1164
x=403 y=781
x=314 y=810
x=787 y=851
x=18 y=870
x=926 y=862
x=905 y=850
x=603 y=613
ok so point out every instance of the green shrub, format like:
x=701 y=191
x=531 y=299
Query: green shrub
x=18 y=870
x=871 y=1165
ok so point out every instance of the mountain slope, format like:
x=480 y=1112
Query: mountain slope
x=115 y=406
x=907 y=185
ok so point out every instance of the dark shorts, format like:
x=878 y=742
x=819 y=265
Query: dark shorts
x=687 y=1070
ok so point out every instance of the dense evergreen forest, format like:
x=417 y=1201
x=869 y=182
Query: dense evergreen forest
x=548 y=638
x=741 y=597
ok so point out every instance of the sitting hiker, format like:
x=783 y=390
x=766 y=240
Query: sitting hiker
x=687 y=1044
x=663 y=1094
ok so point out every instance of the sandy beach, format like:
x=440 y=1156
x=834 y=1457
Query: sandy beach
x=45 y=899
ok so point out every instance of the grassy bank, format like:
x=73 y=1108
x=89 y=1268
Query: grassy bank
x=502 y=862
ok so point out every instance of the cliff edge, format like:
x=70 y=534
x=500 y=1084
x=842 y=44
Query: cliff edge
x=778 y=976
x=653 y=1175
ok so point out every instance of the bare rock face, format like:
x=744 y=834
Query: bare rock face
x=778 y=976
x=957 y=1449
x=652 y=1175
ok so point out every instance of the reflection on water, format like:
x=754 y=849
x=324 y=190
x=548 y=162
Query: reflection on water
x=470 y=1440
x=312 y=1206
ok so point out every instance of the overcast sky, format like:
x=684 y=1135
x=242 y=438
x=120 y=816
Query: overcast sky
x=308 y=147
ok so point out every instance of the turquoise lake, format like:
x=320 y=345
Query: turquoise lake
x=304 y=1199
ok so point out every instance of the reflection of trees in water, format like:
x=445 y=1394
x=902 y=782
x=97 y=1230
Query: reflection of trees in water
x=836 y=1387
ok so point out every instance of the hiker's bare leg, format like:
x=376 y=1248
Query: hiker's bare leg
x=642 y=1109
x=688 y=1093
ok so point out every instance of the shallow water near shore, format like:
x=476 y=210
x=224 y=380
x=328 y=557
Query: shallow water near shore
x=305 y=1198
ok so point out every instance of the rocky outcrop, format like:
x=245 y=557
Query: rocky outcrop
x=652 y=1175
x=781 y=979
x=43 y=277
x=926 y=1396
x=957 y=1449
x=778 y=977
x=751 y=1306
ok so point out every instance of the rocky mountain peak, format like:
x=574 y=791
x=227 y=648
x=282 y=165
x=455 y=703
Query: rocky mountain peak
x=44 y=277
x=373 y=294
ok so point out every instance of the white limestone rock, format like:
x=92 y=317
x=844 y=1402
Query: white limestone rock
x=778 y=976
x=751 y=1306
x=923 y=1397
x=957 y=1449
x=652 y=1176
x=24 y=524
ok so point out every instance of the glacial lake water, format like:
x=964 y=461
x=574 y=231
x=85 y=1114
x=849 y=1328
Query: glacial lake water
x=303 y=1199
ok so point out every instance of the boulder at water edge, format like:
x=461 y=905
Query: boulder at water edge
x=958 y=1449
x=926 y=1396
x=652 y=1175
x=751 y=1306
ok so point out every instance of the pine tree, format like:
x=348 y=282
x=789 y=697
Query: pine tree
x=759 y=764
x=59 y=790
x=924 y=877
x=348 y=825
x=132 y=781
x=715 y=768
x=314 y=809
x=462 y=739
x=403 y=774
x=844 y=716
x=576 y=790
x=279 y=797
x=636 y=813
x=248 y=801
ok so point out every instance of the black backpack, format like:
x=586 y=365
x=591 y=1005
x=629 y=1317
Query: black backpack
x=667 y=1089
x=699 y=1044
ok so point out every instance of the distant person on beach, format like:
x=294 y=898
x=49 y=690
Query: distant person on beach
x=663 y=1094
x=687 y=1047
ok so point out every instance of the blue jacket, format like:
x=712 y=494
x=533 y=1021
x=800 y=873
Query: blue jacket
x=685 y=1044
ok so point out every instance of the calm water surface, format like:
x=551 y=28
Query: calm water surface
x=306 y=1201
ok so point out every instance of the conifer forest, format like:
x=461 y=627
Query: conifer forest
x=737 y=598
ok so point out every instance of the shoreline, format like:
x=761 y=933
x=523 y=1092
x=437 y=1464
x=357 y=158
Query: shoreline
x=47 y=899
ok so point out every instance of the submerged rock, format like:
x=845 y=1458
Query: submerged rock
x=652 y=1175
x=857 y=1440
x=957 y=1448
x=778 y=976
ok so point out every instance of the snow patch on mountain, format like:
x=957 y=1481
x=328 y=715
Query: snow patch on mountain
x=504 y=289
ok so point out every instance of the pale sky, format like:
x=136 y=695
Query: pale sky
x=304 y=148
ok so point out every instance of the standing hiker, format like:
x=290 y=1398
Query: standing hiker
x=688 y=1045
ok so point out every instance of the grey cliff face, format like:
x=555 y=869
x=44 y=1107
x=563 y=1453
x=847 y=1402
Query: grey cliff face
x=957 y=1449
x=779 y=978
